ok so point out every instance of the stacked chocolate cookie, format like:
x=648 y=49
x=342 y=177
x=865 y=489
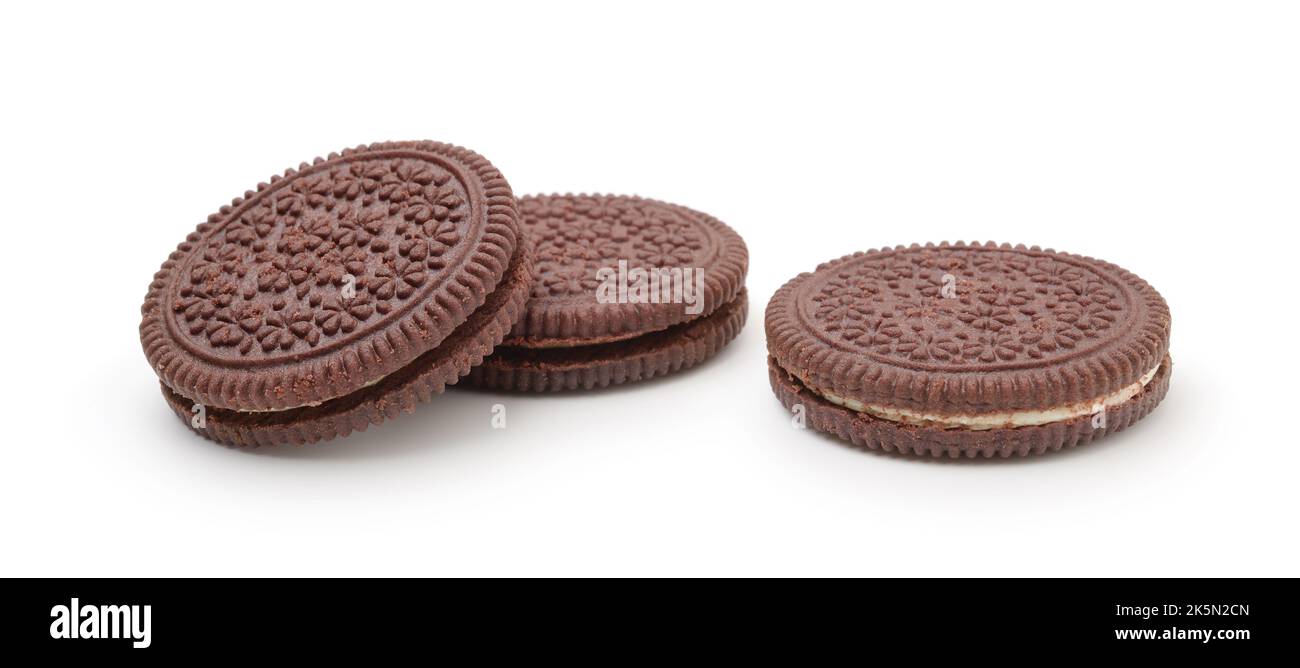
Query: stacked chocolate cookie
x=352 y=288
x=626 y=289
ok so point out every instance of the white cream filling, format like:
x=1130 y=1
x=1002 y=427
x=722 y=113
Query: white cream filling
x=1000 y=420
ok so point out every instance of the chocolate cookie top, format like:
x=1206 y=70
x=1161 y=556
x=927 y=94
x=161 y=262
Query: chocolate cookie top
x=576 y=236
x=330 y=277
x=957 y=328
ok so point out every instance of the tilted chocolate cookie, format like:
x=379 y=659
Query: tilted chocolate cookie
x=968 y=350
x=626 y=289
x=337 y=295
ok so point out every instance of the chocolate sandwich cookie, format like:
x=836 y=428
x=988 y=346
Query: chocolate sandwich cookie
x=626 y=289
x=976 y=350
x=337 y=295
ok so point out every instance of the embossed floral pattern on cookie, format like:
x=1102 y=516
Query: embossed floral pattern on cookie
x=575 y=236
x=270 y=281
x=1005 y=306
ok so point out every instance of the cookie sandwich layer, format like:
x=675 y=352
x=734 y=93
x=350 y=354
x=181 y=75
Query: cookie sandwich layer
x=327 y=281
x=626 y=289
x=979 y=338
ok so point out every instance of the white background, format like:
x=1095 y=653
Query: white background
x=1164 y=137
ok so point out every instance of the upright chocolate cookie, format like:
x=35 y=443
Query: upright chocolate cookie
x=626 y=289
x=312 y=306
x=968 y=350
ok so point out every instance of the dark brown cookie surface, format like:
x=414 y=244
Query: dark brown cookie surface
x=331 y=277
x=660 y=353
x=576 y=236
x=395 y=394
x=956 y=328
x=574 y=336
